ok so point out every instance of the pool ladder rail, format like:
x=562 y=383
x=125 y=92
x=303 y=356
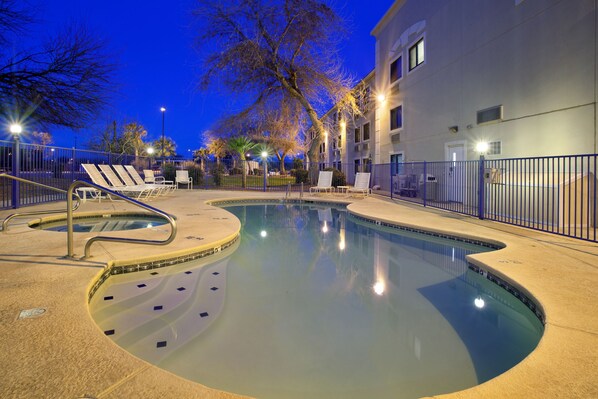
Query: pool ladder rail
x=287 y=195
x=69 y=218
x=32 y=213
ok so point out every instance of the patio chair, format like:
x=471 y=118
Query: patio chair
x=362 y=184
x=324 y=183
x=182 y=177
x=129 y=180
x=139 y=192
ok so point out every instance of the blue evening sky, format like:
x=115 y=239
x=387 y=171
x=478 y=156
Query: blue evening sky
x=153 y=44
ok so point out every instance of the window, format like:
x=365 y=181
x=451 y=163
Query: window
x=357 y=135
x=396 y=70
x=334 y=144
x=492 y=114
x=416 y=54
x=357 y=165
x=396 y=118
x=494 y=148
x=339 y=142
x=366 y=131
x=322 y=148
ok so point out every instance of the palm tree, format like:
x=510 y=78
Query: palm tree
x=201 y=155
x=241 y=145
x=169 y=149
x=217 y=147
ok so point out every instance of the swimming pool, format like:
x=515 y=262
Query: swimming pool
x=103 y=223
x=315 y=303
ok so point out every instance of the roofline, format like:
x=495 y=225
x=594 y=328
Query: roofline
x=389 y=14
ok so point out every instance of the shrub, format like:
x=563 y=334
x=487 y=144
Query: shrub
x=236 y=171
x=338 y=177
x=196 y=173
x=297 y=163
x=301 y=176
x=169 y=171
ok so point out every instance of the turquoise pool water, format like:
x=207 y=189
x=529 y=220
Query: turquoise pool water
x=312 y=303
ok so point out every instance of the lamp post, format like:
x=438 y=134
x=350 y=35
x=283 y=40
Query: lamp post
x=265 y=159
x=163 y=110
x=482 y=148
x=15 y=129
x=150 y=152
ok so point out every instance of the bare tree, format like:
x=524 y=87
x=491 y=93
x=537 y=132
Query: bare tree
x=272 y=49
x=64 y=81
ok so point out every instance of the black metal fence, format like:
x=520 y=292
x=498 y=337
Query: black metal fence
x=555 y=194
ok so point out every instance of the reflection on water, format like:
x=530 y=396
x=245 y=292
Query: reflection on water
x=102 y=224
x=314 y=304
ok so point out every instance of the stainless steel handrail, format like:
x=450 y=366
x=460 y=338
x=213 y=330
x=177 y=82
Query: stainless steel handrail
x=31 y=213
x=69 y=221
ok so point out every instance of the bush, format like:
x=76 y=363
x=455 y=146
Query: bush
x=217 y=173
x=301 y=176
x=196 y=173
x=169 y=171
x=236 y=171
x=257 y=171
x=297 y=163
x=338 y=177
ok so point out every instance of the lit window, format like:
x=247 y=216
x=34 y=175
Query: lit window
x=396 y=118
x=396 y=70
x=416 y=54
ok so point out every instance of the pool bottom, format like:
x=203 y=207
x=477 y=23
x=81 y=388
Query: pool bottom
x=280 y=338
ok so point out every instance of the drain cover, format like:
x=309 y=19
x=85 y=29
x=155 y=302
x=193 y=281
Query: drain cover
x=30 y=313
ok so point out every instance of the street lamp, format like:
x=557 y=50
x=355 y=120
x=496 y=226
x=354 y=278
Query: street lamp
x=265 y=159
x=15 y=129
x=163 y=110
x=150 y=152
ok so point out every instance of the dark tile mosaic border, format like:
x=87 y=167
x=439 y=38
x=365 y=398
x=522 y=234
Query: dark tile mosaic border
x=510 y=289
x=490 y=276
x=140 y=267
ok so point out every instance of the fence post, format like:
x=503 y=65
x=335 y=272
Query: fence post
x=73 y=158
x=425 y=182
x=481 y=188
x=16 y=170
x=392 y=189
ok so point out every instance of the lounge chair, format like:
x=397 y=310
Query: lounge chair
x=139 y=192
x=324 y=183
x=127 y=178
x=151 y=178
x=362 y=184
x=182 y=177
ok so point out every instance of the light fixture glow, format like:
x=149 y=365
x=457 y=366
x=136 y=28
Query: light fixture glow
x=263 y=233
x=150 y=150
x=342 y=245
x=481 y=147
x=343 y=124
x=479 y=302
x=162 y=109
x=16 y=128
x=379 y=287
x=264 y=154
x=381 y=98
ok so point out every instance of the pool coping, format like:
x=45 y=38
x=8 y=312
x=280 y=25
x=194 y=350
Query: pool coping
x=563 y=364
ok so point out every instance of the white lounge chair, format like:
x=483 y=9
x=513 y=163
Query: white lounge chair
x=362 y=184
x=129 y=180
x=182 y=177
x=139 y=192
x=151 y=178
x=324 y=182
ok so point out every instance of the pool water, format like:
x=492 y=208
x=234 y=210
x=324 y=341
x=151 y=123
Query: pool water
x=315 y=304
x=106 y=223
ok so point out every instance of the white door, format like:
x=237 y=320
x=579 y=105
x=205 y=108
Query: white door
x=455 y=155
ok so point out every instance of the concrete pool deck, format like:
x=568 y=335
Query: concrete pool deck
x=64 y=354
